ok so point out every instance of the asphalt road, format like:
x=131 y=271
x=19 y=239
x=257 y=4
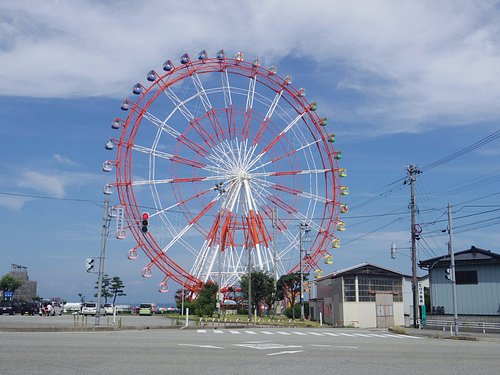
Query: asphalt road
x=242 y=351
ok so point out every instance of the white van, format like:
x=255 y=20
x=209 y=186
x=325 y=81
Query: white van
x=90 y=308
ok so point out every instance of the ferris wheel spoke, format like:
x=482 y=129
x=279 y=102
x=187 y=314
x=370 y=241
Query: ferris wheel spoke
x=287 y=154
x=267 y=119
x=167 y=156
x=278 y=137
x=207 y=105
x=174 y=180
x=296 y=192
x=164 y=127
x=291 y=173
x=247 y=115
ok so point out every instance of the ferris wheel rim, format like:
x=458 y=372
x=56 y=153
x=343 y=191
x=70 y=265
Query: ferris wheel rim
x=125 y=182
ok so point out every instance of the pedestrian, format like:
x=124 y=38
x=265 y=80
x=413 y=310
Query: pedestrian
x=50 y=309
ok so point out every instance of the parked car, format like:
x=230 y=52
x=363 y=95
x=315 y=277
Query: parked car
x=90 y=308
x=146 y=309
x=108 y=308
x=7 y=307
x=29 y=308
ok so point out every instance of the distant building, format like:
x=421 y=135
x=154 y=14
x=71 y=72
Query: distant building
x=362 y=296
x=27 y=291
x=477 y=278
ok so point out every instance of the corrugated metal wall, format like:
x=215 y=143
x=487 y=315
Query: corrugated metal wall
x=482 y=298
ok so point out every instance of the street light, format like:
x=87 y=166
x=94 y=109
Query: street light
x=220 y=190
x=303 y=227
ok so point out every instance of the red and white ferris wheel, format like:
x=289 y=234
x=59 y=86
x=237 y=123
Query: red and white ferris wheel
x=229 y=161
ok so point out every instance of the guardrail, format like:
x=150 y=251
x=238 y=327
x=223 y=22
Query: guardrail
x=263 y=322
x=483 y=327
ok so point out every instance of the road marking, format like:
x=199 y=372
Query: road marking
x=283 y=333
x=300 y=333
x=315 y=333
x=395 y=336
x=202 y=331
x=251 y=332
x=218 y=331
x=330 y=334
x=267 y=333
x=377 y=335
x=286 y=352
x=346 y=334
x=202 y=346
x=235 y=332
x=361 y=334
x=345 y=347
x=321 y=345
x=267 y=346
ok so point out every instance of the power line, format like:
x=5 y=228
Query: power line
x=463 y=151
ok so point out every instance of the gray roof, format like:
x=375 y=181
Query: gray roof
x=474 y=255
x=359 y=268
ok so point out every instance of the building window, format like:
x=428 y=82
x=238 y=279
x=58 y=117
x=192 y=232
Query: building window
x=466 y=277
x=369 y=286
x=349 y=289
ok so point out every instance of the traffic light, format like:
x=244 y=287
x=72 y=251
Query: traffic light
x=144 y=222
x=448 y=274
x=89 y=264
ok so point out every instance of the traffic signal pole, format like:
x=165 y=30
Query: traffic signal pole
x=104 y=237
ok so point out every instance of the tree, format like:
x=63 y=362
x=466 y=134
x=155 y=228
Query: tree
x=288 y=286
x=105 y=292
x=262 y=289
x=206 y=300
x=116 y=288
x=9 y=283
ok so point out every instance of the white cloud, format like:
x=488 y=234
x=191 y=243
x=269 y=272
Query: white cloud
x=12 y=201
x=53 y=185
x=414 y=62
x=63 y=160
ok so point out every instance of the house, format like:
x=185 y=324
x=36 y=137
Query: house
x=365 y=295
x=477 y=283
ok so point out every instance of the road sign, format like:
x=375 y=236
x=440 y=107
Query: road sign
x=421 y=298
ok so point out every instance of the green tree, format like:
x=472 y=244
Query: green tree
x=9 y=283
x=105 y=292
x=206 y=300
x=288 y=287
x=116 y=288
x=262 y=289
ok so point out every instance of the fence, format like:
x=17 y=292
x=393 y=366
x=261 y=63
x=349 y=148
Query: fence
x=483 y=327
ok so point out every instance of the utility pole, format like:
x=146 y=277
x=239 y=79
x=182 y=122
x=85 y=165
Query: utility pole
x=453 y=277
x=104 y=237
x=412 y=171
x=275 y=227
x=303 y=227
x=218 y=188
x=249 y=284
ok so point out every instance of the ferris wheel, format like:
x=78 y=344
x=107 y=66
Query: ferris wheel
x=220 y=164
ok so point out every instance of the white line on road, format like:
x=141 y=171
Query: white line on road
x=267 y=333
x=251 y=332
x=300 y=333
x=202 y=346
x=202 y=331
x=218 y=331
x=286 y=352
x=283 y=333
x=330 y=334
x=315 y=333
x=235 y=332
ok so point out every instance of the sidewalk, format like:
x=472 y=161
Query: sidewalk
x=440 y=334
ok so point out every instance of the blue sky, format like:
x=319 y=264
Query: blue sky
x=401 y=82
